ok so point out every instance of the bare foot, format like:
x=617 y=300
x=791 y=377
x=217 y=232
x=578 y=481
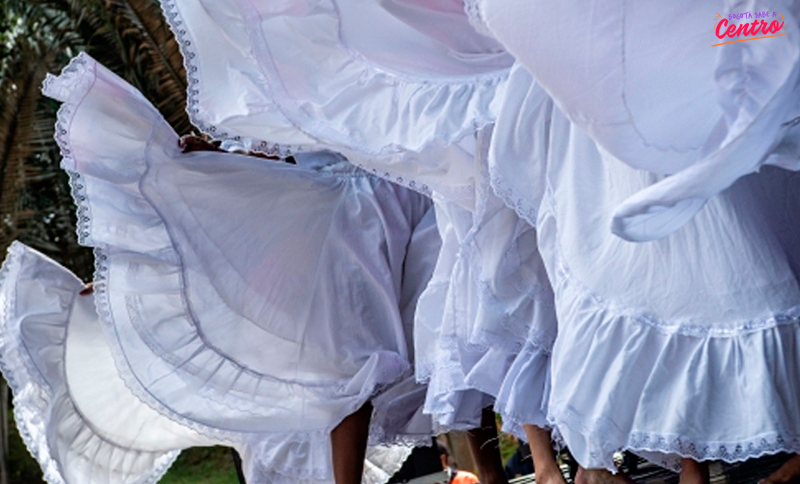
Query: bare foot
x=693 y=472
x=788 y=472
x=87 y=289
x=601 y=476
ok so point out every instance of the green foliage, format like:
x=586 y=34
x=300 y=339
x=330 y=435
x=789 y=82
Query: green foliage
x=38 y=37
x=130 y=37
x=202 y=465
x=22 y=469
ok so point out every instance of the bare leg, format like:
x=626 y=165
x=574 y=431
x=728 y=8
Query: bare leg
x=349 y=444
x=788 y=472
x=601 y=476
x=693 y=472
x=483 y=443
x=544 y=459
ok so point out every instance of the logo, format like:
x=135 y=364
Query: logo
x=764 y=25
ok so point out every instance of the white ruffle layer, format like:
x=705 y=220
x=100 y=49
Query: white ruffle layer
x=384 y=83
x=682 y=346
x=707 y=115
x=80 y=421
x=489 y=298
x=74 y=412
x=685 y=346
x=186 y=338
x=329 y=69
x=342 y=74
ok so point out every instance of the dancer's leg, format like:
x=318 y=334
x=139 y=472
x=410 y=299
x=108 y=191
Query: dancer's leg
x=693 y=472
x=601 y=476
x=349 y=444
x=544 y=459
x=788 y=472
x=483 y=443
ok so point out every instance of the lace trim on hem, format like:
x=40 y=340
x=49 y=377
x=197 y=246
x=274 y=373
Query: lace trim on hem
x=324 y=132
x=15 y=363
x=12 y=364
x=514 y=200
x=669 y=327
x=70 y=87
x=106 y=318
x=176 y=24
x=672 y=447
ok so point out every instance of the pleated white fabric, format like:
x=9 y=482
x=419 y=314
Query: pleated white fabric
x=383 y=82
x=684 y=346
x=74 y=412
x=250 y=301
x=406 y=90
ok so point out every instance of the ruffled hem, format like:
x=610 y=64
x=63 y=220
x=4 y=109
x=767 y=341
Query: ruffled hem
x=302 y=86
x=380 y=464
x=523 y=397
x=33 y=343
x=221 y=398
x=488 y=299
x=347 y=85
x=668 y=390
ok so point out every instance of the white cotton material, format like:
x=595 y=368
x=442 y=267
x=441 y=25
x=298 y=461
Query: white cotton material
x=383 y=82
x=683 y=346
x=74 y=412
x=80 y=421
x=489 y=297
x=706 y=115
x=406 y=90
x=246 y=299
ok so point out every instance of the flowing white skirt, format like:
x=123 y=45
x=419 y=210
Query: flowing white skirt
x=682 y=346
x=405 y=90
x=653 y=86
x=246 y=300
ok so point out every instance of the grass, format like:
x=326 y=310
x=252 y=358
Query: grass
x=202 y=465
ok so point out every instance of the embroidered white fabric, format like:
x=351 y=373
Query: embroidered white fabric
x=683 y=346
x=338 y=74
x=193 y=285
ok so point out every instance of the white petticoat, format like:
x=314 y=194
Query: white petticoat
x=405 y=90
x=75 y=413
x=243 y=296
x=684 y=346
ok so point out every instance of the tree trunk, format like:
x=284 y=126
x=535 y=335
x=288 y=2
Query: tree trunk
x=3 y=432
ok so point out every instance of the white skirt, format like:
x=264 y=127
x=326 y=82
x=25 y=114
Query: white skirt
x=246 y=300
x=653 y=85
x=682 y=346
x=405 y=90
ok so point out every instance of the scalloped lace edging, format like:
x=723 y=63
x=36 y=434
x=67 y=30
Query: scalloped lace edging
x=518 y=202
x=70 y=87
x=17 y=366
x=102 y=305
x=610 y=439
x=324 y=132
x=194 y=85
x=134 y=385
x=75 y=78
x=15 y=371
